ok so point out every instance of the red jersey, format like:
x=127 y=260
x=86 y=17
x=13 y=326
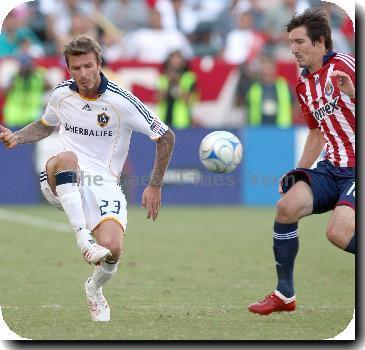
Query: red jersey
x=328 y=109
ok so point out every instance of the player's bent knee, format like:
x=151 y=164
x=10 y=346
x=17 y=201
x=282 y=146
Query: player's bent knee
x=116 y=249
x=332 y=233
x=114 y=244
x=339 y=236
x=109 y=234
x=295 y=204
x=66 y=160
x=341 y=227
x=285 y=212
x=336 y=235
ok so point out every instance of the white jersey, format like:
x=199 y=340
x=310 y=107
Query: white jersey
x=98 y=130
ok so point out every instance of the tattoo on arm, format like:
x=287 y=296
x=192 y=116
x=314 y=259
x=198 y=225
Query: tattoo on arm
x=33 y=132
x=164 y=147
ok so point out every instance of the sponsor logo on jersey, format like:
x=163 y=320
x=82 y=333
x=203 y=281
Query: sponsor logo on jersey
x=328 y=89
x=103 y=119
x=87 y=108
x=328 y=109
x=87 y=132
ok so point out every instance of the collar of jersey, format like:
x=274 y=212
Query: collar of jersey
x=102 y=88
x=326 y=57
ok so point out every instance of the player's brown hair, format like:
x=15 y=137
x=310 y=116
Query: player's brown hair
x=315 y=20
x=80 y=45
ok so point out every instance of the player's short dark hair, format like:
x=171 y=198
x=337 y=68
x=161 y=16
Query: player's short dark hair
x=80 y=45
x=315 y=20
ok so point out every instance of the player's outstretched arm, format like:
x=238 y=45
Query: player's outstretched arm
x=151 y=197
x=344 y=83
x=33 y=132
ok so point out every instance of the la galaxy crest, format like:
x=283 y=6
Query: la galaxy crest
x=103 y=119
x=328 y=88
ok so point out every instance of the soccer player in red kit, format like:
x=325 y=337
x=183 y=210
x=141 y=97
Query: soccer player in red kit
x=326 y=93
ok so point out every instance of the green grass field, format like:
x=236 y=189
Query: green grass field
x=190 y=275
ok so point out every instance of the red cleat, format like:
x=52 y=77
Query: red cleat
x=274 y=302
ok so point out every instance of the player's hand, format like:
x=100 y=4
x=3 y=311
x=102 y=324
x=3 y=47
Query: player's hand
x=344 y=83
x=280 y=189
x=151 y=200
x=7 y=137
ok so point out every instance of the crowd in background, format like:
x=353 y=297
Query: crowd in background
x=248 y=33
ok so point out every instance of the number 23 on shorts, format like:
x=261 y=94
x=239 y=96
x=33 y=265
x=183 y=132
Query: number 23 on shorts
x=112 y=206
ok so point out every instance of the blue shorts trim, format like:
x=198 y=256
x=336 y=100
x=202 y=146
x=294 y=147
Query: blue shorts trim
x=331 y=186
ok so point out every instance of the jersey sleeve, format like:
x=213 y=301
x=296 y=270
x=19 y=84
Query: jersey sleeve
x=141 y=119
x=50 y=116
x=346 y=63
x=310 y=120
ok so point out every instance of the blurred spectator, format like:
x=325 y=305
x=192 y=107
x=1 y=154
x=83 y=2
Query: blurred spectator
x=206 y=39
x=207 y=10
x=336 y=17
x=16 y=31
x=269 y=100
x=244 y=43
x=60 y=18
x=177 y=15
x=257 y=14
x=347 y=29
x=246 y=77
x=176 y=92
x=127 y=15
x=226 y=23
x=110 y=73
x=24 y=96
x=154 y=44
x=274 y=26
x=81 y=23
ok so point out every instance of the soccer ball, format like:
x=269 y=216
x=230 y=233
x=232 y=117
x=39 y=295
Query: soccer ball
x=220 y=151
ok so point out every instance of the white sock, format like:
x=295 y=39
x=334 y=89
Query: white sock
x=284 y=298
x=70 y=198
x=102 y=274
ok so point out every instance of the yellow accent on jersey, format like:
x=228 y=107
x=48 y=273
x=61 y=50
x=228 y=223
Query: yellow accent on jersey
x=43 y=122
x=88 y=98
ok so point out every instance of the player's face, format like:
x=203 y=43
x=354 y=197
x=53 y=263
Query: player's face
x=86 y=72
x=307 y=54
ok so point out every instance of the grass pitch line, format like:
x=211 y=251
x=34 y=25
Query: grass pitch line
x=30 y=220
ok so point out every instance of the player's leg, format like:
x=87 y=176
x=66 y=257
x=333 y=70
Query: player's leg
x=295 y=204
x=316 y=191
x=62 y=179
x=110 y=235
x=106 y=212
x=341 y=227
x=306 y=191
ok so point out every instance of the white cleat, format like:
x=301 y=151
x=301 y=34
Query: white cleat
x=99 y=308
x=94 y=253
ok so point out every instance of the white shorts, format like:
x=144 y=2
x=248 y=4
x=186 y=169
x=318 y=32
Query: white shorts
x=101 y=200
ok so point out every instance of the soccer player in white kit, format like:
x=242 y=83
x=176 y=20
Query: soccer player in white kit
x=95 y=118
